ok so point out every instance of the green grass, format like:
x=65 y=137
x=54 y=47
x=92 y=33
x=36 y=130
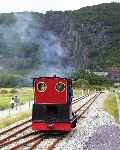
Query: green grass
x=24 y=94
x=12 y=119
x=119 y=94
x=78 y=92
x=110 y=105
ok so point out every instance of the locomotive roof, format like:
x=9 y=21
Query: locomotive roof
x=69 y=80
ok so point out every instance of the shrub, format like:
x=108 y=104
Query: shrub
x=9 y=80
x=81 y=83
x=84 y=78
x=13 y=91
x=4 y=91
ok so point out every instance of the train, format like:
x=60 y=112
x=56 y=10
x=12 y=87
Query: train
x=52 y=107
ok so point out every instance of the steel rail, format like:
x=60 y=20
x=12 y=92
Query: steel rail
x=85 y=103
x=35 y=144
x=37 y=140
x=80 y=115
x=80 y=98
x=16 y=139
x=27 y=142
x=15 y=133
x=52 y=146
x=14 y=127
x=88 y=106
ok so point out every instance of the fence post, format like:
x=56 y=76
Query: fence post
x=9 y=110
x=88 y=92
x=29 y=102
x=82 y=92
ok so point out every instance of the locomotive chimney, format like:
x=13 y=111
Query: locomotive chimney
x=54 y=75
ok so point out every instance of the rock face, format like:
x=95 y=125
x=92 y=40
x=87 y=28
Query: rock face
x=83 y=41
x=62 y=25
x=87 y=38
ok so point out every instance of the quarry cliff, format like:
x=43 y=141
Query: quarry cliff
x=88 y=38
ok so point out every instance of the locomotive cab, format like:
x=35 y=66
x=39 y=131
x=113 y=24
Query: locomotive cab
x=52 y=110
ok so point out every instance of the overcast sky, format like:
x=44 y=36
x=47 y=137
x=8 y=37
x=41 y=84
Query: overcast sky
x=45 y=5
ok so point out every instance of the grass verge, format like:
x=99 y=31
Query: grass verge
x=79 y=92
x=24 y=95
x=12 y=119
x=110 y=106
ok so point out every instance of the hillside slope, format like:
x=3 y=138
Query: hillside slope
x=91 y=34
x=88 y=38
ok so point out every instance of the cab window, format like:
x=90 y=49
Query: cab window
x=60 y=87
x=41 y=86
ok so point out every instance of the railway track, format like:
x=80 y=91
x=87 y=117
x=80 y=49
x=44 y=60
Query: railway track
x=79 y=98
x=14 y=127
x=53 y=145
x=87 y=106
x=83 y=109
x=15 y=130
x=30 y=142
x=32 y=139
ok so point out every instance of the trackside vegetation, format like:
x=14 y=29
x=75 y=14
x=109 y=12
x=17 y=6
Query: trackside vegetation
x=12 y=119
x=111 y=106
x=83 y=79
x=24 y=94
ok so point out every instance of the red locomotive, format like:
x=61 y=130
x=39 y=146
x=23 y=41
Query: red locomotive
x=52 y=108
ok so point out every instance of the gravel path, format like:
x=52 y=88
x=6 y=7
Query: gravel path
x=96 y=132
x=105 y=138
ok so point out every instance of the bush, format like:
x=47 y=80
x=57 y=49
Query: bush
x=13 y=91
x=83 y=78
x=81 y=83
x=9 y=80
x=3 y=91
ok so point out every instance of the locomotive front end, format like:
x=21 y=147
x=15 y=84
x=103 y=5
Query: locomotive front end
x=52 y=104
